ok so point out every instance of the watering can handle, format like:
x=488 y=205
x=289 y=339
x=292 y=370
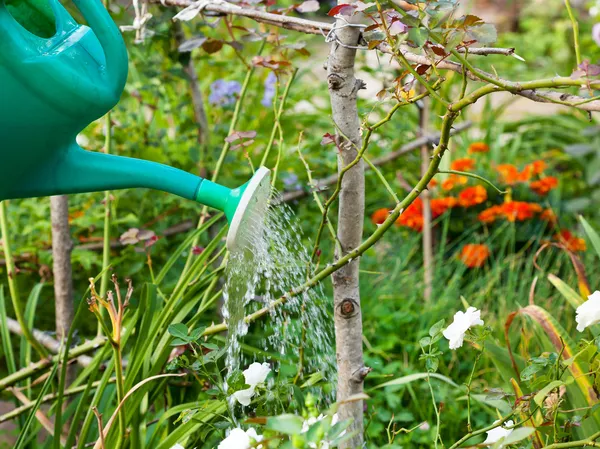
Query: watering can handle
x=112 y=43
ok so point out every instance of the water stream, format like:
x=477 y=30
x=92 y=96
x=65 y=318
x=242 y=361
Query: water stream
x=274 y=262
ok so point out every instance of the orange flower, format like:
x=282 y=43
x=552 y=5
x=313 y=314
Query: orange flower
x=520 y=210
x=474 y=256
x=490 y=215
x=432 y=184
x=549 y=216
x=544 y=185
x=537 y=167
x=572 y=242
x=509 y=173
x=412 y=217
x=380 y=215
x=453 y=181
x=440 y=205
x=472 y=196
x=478 y=147
x=465 y=164
x=511 y=210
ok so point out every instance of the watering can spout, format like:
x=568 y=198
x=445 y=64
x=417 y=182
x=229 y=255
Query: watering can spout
x=76 y=170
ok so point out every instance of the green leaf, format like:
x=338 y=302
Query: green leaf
x=483 y=34
x=592 y=234
x=197 y=333
x=432 y=364
x=425 y=341
x=517 y=435
x=436 y=328
x=179 y=342
x=179 y=330
x=572 y=297
x=417 y=376
x=288 y=424
x=531 y=370
x=541 y=395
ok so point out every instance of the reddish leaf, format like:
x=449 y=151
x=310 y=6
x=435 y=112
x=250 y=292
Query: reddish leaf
x=471 y=20
x=212 y=46
x=439 y=51
x=344 y=10
x=328 y=139
x=422 y=68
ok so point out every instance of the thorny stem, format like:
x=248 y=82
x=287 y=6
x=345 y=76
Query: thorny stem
x=510 y=86
x=13 y=286
x=575 y=25
x=473 y=175
x=470 y=435
x=590 y=441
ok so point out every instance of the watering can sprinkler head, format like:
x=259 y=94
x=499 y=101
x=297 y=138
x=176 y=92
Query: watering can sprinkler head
x=53 y=87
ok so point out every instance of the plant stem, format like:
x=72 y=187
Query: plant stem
x=278 y=116
x=120 y=389
x=35 y=368
x=575 y=25
x=13 y=284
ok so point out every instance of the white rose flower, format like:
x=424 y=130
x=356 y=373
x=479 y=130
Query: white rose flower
x=588 y=313
x=244 y=397
x=496 y=434
x=463 y=321
x=256 y=374
x=178 y=446
x=238 y=439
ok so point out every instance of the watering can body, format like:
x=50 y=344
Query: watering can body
x=51 y=88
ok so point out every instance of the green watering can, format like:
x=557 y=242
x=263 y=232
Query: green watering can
x=56 y=77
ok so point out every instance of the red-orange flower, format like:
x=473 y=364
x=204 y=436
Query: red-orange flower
x=432 y=184
x=520 y=210
x=490 y=215
x=549 y=216
x=454 y=180
x=472 y=196
x=464 y=164
x=380 y=215
x=478 y=147
x=440 y=205
x=474 y=255
x=544 y=185
x=412 y=217
x=509 y=173
x=573 y=243
x=537 y=167
x=511 y=210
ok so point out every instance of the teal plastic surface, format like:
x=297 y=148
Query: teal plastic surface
x=57 y=77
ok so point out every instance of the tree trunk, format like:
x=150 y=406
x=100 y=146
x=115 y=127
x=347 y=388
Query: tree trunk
x=426 y=198
x=61 y=265
x=343 y=89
